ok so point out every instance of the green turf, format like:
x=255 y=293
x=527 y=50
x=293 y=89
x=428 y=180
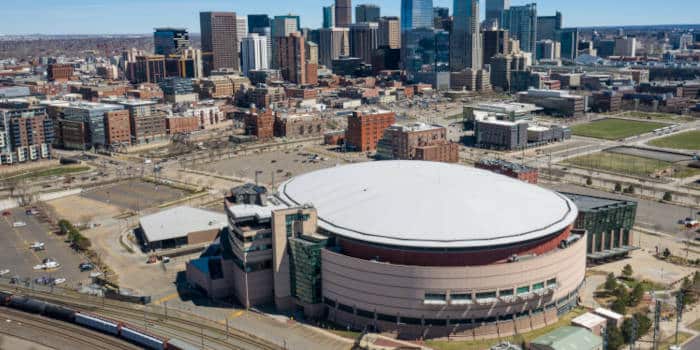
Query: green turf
x=629 y=165
x=615 y=129
x=688 y=140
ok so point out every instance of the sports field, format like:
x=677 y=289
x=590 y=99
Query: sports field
x=615 y=129
x=687 y=141
x=630 y=165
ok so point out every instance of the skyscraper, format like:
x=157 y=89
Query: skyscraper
x=364 y=39
x=282 y=26
x=241 y=28
x=367 y=13
x=258 y=23
x=548 y=26
x=333 y=43
x=494 y=11
x=521 y=21
x=329 y=16
x=291 y=57
x=169 y=41
x=568 y=37
x=416 y=14
x=343 y=13
x=495 y=43
x=219 y=40
x=390 y=32
x=441 y=18
x=465 y=40
x=254 y=53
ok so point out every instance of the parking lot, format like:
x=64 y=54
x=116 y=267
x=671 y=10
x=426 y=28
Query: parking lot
x=283 y=164
x=16 y=255
x=135 y=194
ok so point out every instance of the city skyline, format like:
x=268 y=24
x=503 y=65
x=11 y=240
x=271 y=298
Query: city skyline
x=138 y=17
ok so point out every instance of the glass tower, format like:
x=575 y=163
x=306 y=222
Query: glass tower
x=416 y=14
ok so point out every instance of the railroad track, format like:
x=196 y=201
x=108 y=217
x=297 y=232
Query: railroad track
x=72 y=333
x=197 y=330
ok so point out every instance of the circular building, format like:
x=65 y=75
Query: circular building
x=429 y=249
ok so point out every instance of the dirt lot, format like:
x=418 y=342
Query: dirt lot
x=135 y=195
x=78 y=209
x=648 y=267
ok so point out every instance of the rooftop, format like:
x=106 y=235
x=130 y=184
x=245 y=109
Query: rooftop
x=570 y=338
x=590 y=203
x=179 y=221
x=428 y=205
x=588 y=320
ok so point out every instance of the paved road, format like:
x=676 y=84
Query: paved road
x=693 y=344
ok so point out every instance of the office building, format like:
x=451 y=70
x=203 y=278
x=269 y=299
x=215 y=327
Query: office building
x=147 y=69
x=425 y=50
x=367 y=13
x=365 y=129
x=471 y=80
x=416 y=14
x=59 y=72
x=254 y=54
x=26 y=134
x=626 y=46
x=494 y=12
x=390 y=32
x=312 y=52
x=170 y=41
x=549 y=26
x=495 y=43
x=557 y=103
x=285 y=25
x=93 y=116
x=417 y=141
x=147 y=124
x=386 y=58
x=219 y=41
x=465 y=39
x=364 y=39
x=343 y=13
x=547 y=50
x=329 y=16
x=521 y=21
x=334 y=43
x=258 y=23
x=569 y=39
x=178 y=90
x=441 y=18
x=241 y=29
x=291 y=57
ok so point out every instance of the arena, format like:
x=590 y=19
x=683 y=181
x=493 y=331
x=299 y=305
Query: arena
x=430 y=249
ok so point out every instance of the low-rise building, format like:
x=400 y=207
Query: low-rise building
x=179 y=226
x=181 y=124
x=259 y=123
x=557 y=103
x=590 y=321
x=298 y=125
x=365 y=129
x=510 y=169
x=417 y=141
x=565 y=338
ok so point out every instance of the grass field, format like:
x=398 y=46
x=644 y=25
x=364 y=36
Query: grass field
x=615 y=129
x=45 y=172
x=485 y=344
x=688 y=140
x=629 y=165
x=676 y=118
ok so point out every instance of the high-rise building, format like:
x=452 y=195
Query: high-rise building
x=367 y=13
x=495 y=43
x=416 y=14
x=291 y=57
x=241 y=29
x=548 y=26
x=390 y=32
x=169 y=41
x=547 y=50
x=568 y=37
x=364 y=39
x=335 y=42
x=312 y=52
x=626 y=46
x=343 y=13
x=521 y=21
x=441 y=18
x=465 y=42
x=219 y=41
x=285 y=25
x=495 y=10
x=329 y=16
x=425 y=55
x=254 y=53
x=258 y=23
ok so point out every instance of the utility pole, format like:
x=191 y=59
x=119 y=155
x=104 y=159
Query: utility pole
x=633 y=336
x=657 y=325
x=679 y=311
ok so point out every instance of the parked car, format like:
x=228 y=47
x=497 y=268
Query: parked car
x=19 y=224
x=6 y=213
x=86 y=266
x=4 y=272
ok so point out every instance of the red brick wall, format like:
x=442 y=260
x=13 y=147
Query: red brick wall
x=365 y=130
x=117 y=127
x=181 y=124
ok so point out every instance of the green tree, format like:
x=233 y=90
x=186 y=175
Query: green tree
x=618 y=187
x=589 y=181
x=627 y=271
x=622 y=294
x=643 y=327
x=636 y=295
x=668 y=196
x=666 y=253
x=615 y=339
x=619 y=306
x=610 y=282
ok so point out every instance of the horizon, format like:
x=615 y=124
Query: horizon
x=81 y=17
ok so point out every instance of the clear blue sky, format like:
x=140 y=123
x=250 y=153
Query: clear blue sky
x=141 y=16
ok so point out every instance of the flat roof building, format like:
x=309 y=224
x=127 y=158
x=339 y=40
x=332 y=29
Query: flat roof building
x=180 y=226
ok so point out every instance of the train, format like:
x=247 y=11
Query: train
x=94 y=322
